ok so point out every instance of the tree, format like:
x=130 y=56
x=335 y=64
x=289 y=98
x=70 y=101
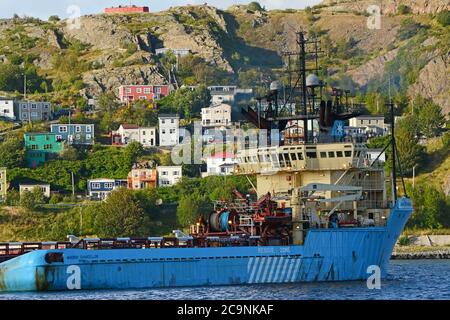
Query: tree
x=107 y=102
x=408 y=28
x=121 y=215
x=30 y=200
x=410 y=151
x=431 y=207
x=431 y=119
x=188 y=210
x=345 y=48
x=10 y=77
x=69 y=153
x=403 y=9
x=443 y=18
x=12 y=153
x=255 y=6
x=376 y=103
x=54 y=18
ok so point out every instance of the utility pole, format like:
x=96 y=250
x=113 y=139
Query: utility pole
x=25 y=97
x=302 y=43
x=414 y=176
x=73 y=184
x=25 y=86
x=81 y=220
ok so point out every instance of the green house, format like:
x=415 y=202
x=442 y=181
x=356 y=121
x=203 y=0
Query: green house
x=40 y=147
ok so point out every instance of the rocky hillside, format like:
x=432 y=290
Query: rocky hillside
x=109 y=50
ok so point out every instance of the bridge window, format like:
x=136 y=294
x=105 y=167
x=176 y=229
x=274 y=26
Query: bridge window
x=300 y=156
x=323 y=154
x=312 y=155
x=339 y=154
x=331 y=154
x=348 y=154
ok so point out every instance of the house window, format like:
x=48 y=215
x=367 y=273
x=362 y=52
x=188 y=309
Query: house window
x=34 y=147
x=157 y=90
x=172 y=121
x=34 y=114
x=88 y=136
x=24 y=115
x=147 y=91
x=24 y=106
x=163 y=131
x=88 y=129
x=62 y=129
x=78 y=129
x=139 y=90
x=109 y=185
x=175 y=173
x=95 y=185
x=48 y=147
x=46 y=106
x=33 y=106
x=143 y=133
x=128 y=90
x=142 y=97
x=58 y=138
x=163 y=121
x=172 y=131
x=165 y=173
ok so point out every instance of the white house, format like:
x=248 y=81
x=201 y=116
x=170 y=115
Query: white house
x=372 y=154
x=220 y=94
x=220 y=164
x=169 y=130
x=7 y=109
x=130 y=132
x=216 y=116
x=30 y=187
x=178 y=52
x=370 y=124
x=169 y=175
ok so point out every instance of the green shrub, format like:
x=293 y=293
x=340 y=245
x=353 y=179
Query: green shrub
x=408 y=28
x=443 y=18
x=404 y=240
x=403 y=9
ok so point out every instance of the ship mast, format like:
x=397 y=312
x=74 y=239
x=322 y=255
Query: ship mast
x=302 y=43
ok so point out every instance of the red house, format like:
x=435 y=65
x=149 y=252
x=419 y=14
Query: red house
x=130 y=93
x=127 y=9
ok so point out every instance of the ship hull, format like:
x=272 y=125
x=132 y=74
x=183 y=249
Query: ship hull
x=327 y=255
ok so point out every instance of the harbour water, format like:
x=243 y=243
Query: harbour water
x=407 y=279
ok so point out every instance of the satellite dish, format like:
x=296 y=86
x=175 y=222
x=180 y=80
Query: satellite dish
x=275 y=86
x=312 y=81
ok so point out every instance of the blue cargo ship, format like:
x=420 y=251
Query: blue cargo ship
x=321 y=212
x=327 y=255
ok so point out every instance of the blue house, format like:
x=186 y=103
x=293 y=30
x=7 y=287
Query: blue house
x=100 y=189
x=74 y=134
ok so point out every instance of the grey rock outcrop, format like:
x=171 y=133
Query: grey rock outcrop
x=99 y=81
x=434 y=83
